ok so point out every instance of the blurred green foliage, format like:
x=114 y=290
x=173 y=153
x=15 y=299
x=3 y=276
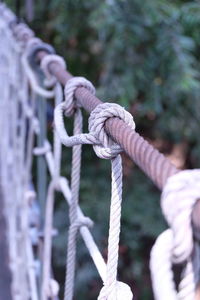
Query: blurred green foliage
x=145 y=56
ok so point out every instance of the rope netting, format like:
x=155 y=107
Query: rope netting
x=25 y=89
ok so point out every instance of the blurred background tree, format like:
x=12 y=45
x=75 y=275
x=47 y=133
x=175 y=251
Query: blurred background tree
x=145 y=56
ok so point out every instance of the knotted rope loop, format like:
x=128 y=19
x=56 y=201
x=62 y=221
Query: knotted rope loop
x=30 y=195
x=69 y=90
x=46 y=61
x=42 y=150
x=70 y=141
x=80 y=222
x=68 y=107
x=161 y=262
x=176 y=245
x=107 y=148
x=29 y=63
x=121 y=292
x=53 y=289
x=178 y=198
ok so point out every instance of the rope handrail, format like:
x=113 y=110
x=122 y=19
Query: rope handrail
x=153 y=163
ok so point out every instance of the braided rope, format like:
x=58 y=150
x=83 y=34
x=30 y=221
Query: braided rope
x=75 y=222
x=109 y=150
x=104 y=148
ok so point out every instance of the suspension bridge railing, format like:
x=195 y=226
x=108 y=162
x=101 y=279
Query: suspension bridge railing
x=21 y=52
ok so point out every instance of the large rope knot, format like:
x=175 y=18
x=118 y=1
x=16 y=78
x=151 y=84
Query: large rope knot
x=176 y=245
x=70 y=88
x=178 y=198
x=107 y=148
x=68 y=108
x=161 y=266
x=50 y=80
x=121 y=292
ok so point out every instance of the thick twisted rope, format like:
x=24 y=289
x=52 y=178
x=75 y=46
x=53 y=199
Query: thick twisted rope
x=178 y=198
x=161 y=271
x=176 y=245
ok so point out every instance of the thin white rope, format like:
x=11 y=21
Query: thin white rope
x=64 y=188
x=75 y=222
x=49 y=284
x=161 y=255
x=104 y=148
x=109 y=150
x=50 y=200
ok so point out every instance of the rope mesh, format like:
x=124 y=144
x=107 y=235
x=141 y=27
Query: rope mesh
x=20 y=128
x=18 y=125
